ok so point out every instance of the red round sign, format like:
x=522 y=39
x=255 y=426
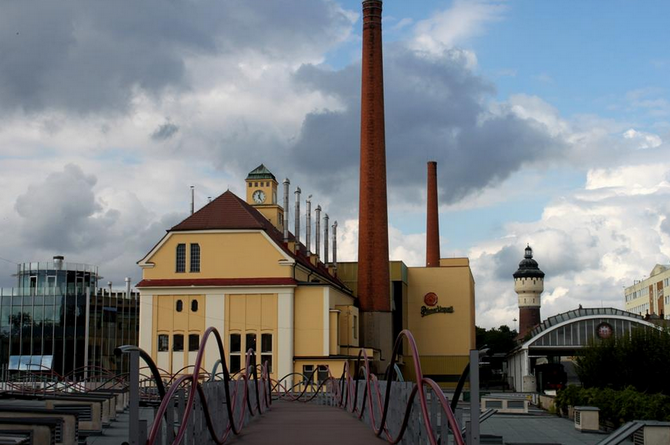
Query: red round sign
x=430 y=299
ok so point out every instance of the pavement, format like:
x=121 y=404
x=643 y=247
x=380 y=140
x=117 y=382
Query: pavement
x=300 y=423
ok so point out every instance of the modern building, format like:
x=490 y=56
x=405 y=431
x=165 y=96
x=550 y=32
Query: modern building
x=57 y=319
x=529 y=285
x=648 y=296
x=564 y=335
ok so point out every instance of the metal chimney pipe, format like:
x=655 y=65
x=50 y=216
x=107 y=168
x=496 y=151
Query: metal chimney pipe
x=192 y=199
x=286 y=184
x=308 y=225
x=335 y=246
x=297 y=218
x=317 y=230
x=325 y=238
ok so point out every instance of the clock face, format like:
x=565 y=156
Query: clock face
x=259 y=196
x=604 y=330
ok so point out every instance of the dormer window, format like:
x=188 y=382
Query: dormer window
x=181 y=258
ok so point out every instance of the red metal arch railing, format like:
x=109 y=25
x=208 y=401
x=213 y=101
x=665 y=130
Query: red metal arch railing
x=345 y=392
x=194 y=382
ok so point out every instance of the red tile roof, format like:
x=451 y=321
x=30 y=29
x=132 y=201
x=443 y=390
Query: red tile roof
x=183 y=282
x=229 y=212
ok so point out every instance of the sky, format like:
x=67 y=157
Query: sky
x=549 y=121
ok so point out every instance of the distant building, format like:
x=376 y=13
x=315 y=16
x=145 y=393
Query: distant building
x=57 y=319
x=529 y=285
x=647 y=297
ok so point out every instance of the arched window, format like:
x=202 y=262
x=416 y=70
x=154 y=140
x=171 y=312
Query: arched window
x=181 y=258
x=195 y=258
x=180 y=306
x=194 y=306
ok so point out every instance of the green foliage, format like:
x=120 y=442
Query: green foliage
x=497 y=340
x=616 y=406
x=640 y=359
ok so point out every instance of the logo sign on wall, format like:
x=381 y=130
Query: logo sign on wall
x=604 y=330
x=431 y=307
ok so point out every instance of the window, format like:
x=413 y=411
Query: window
x=179 y=306
x=322 y=373
x=178 y=343
x=163 y=343
x=251 y=344
x=194 y=305
x=235 y=352
x=181 y=258
x=195 y=258
x=308 y=372
x=266 y=350
x=251 y=184
x=193 y=342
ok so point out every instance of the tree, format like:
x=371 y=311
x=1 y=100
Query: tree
x=641 y=360
x=500 y=340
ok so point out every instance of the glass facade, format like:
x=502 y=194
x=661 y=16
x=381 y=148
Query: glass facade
x=58 y=320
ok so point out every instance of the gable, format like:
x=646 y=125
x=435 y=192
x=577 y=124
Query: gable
x=223 y=254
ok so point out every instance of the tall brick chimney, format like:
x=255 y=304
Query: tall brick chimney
x=373 y=251
x=432 y=218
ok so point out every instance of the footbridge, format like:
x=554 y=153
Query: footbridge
x=248 y=407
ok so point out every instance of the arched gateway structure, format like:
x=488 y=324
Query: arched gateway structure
x=565 y=334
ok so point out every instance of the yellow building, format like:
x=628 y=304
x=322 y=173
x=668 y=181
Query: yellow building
x=650 y=296
x=437 y=304
x=229 y=265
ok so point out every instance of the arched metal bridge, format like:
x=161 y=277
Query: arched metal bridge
x=200 y=407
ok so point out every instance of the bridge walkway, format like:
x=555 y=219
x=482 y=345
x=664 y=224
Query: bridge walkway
x=297 y=423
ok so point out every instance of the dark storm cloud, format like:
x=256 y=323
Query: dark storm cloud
x=164 y=132
x=436 y=109
x=93 y=55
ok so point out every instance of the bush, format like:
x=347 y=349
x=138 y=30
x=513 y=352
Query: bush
x=616 y=406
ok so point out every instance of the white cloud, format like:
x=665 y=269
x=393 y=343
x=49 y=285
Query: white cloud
x=590 y=244
x=643 y=140
x=451 y=27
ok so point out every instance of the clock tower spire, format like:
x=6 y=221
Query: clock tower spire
x=262 y=194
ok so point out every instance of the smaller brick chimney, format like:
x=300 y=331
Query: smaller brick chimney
x=432 y=219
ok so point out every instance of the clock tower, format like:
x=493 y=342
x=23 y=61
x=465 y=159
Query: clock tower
x=262 y=194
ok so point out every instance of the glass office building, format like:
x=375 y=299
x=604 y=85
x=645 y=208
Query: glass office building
x=59 y=319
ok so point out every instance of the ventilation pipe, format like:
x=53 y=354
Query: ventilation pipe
x=58 y=262
x=335 y=248
x=286 y=184
x=325 y=238
x=297 y=218
x=308 y=225
x=192 y=199
x=317 y=230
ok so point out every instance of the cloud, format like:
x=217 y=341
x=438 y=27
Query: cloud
x=436 y=109
x=164 y=132
x=643 y=140
x=100 y=56
x=590 y=244
x=463 y=20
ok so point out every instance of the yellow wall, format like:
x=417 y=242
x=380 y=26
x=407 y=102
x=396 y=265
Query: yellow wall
x=222 y=255
x=167 y=321
x=309 y=321
x=251 y=313
x=442 y=333
x=349 y=335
